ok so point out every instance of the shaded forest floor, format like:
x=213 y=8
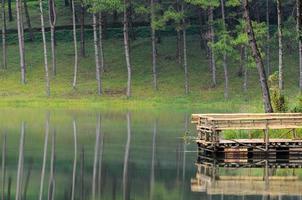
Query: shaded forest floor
x=170 y=79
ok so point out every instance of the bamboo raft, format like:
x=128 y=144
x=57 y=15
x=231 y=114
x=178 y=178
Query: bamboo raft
x=211 y=126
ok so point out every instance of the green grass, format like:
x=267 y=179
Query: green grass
x=170 y=79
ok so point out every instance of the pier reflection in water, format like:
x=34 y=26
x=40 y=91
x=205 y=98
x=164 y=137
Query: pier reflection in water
x=248 y=179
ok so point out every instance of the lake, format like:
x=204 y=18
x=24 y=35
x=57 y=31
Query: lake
x=109 y=154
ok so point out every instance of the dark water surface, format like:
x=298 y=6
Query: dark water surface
x=121 y=155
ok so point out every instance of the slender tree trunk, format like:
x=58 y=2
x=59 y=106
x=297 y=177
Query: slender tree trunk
x=4 y=47
x=45 y=50
x=178 y=47
x=20 y=164
x=30 y=30
x=184 y=38
x=201 y=43
x=213 y=63
x=225 y=65
x=10 y=14
x=3 y=166
x=257 y=56
x=75 y=160
x=241 y=61
x=82 y=30
x=245 y=84
x=279 y=11
x=126 y=157
x=21 y=41
x=102 y=62
x=126 y=45
x=75 y=45
x=153 y=40
x=299 y=32
x=178 y=38
x=52 y=22
x=44 y=157
x=96 y=54
x=268 y=39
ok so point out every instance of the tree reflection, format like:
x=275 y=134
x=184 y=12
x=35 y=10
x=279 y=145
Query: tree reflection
x=75 y=159
x=44 y=157
x=152 y=176
x=126 y=158
x=20 y=163
x=3 y=165
x=96 y=150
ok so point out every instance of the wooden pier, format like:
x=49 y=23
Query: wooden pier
x=211 y=126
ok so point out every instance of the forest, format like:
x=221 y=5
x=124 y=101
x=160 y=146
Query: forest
x=152 y=52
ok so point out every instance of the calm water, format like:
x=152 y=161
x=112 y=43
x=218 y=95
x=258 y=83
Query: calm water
x=122 y=155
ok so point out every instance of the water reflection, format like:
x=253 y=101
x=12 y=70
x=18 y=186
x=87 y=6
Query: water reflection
x=124 y=155
x=268 y=179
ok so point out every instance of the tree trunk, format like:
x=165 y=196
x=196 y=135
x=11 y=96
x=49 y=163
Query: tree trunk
x=213 y=63
x=268 y=39
x=225 y=66
x=279 y=11
x=4 y=47
x=126 y=45
x=66 y=3
x=45 y=50
x=299 y=32
x=21 y=41
x=75 y=45
x=75 y=158
x=154 y=51
x=245 y=84
x=185 y=64
x=96 y=54
x=178 y=39
x=102 y=62
x=258 y=59
x=82 y=29
x=52 y=22
x=30 y=30
x=10 y=14
x=241 y=63
x=130 y=21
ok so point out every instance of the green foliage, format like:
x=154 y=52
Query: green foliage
x=278 y=99
x=170 y=16
x=96 y=6
x=204 y=3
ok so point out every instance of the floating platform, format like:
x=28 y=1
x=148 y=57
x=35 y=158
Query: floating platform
x=211 y=126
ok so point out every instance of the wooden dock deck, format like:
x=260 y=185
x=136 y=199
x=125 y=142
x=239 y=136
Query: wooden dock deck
x=210 y=127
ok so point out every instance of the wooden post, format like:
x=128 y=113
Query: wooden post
x=266 y=139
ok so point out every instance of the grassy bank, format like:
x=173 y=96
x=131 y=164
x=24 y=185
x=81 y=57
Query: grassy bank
x=170 y=79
